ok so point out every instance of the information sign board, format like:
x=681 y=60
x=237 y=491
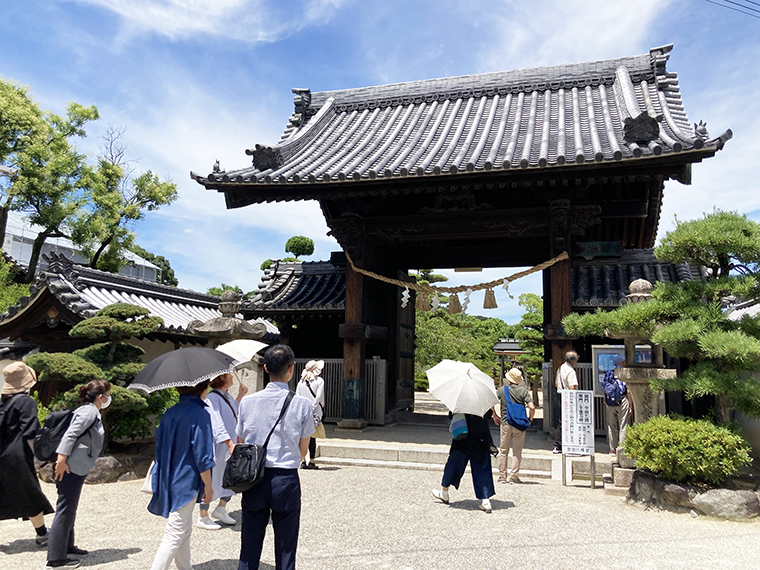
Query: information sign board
x=578 y=422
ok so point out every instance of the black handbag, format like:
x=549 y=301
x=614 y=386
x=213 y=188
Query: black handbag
x=245 y=467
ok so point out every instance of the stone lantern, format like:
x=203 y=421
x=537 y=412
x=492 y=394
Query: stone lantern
x=229 y=327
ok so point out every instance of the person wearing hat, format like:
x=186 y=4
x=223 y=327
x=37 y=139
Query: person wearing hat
x=312 y=387
x=619 y=408
x=20 y=492
x=510 y=435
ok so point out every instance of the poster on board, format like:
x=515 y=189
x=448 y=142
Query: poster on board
x=577 y=422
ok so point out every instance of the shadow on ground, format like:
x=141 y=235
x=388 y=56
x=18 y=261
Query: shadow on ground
x=226 y=565
x=106 y=555
x=23 y=545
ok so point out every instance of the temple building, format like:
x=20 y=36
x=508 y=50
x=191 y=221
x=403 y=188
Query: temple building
x=500 y=169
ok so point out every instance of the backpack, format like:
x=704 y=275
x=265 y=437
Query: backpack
x=614 y=391
x=50 y=435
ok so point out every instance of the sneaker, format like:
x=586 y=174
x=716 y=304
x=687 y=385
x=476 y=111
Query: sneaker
x=68 y=563
x=221 y=514
x=613 y=451
x=312 y=466
x=557 y=450
x=78 y=551
x=501 y=479
x=42 y=540
x=441 y=495
x=207 y=523
x=514 y=480
x=303 y=465
x=485 y=506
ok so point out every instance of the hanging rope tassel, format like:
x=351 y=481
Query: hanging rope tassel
x=490 y=301
x=454 y=306
x=423 y=302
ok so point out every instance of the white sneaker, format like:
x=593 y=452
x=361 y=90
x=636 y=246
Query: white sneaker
x=207 y=523
x=485 y=505
x=441 y=495
x=221 y=514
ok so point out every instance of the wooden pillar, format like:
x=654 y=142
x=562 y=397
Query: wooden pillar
x=354 y=381
x=559 y=278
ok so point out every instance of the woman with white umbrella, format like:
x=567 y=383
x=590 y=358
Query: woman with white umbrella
x=470 y=395
x=312 y=387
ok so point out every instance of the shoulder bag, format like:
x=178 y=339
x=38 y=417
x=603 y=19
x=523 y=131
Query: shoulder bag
x=245 y=467
x=516 y=416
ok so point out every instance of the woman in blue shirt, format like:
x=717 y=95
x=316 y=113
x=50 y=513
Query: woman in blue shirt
x=182 y=473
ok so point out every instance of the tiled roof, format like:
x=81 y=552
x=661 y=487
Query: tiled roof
x=747 y=309
x=84 y=291
x=308 y=286
x=627 y=109
x=604 y=281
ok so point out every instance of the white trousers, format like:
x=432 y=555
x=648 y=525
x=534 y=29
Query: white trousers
x=176 y=542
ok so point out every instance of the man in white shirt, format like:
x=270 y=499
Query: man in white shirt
x=566 y=379
x=279 y=493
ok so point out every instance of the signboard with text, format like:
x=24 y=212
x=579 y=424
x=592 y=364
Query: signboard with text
x=578 y=422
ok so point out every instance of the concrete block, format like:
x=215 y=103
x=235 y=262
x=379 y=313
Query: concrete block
x=622 y=477
x=422 y=456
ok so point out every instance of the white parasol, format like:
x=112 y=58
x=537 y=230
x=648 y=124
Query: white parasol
x=241 y=350
x=461 y=387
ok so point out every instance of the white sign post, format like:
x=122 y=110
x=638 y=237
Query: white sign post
x=578 y=428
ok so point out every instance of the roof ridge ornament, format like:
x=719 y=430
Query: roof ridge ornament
x=302 y=103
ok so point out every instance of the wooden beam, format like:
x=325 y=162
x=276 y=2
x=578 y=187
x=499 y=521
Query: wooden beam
x=367 y=332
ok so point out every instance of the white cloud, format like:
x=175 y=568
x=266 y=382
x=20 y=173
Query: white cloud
x=248 y=21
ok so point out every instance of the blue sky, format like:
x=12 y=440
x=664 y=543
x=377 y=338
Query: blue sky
x=198 y=80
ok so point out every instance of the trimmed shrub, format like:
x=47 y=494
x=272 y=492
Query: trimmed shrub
x=686 y=450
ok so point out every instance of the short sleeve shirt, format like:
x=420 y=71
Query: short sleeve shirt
x=519 y=393
x=566 y=377
x=259 y=412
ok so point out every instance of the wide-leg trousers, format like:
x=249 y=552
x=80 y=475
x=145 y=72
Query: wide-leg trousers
x=482 y=476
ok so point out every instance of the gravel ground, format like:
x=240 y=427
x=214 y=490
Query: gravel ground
x=363 y=517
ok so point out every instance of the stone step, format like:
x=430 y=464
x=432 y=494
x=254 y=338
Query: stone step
x=611 y=489
x=524 y=473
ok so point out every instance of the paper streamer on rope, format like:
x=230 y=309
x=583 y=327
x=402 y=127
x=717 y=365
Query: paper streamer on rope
x=505 y=286
x=454 y=306
x=466 y=301
x=490 y=300
x=405 y=298
x=435 y=303
x=423 y=302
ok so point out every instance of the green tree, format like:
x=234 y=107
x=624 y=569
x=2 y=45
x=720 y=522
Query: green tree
x=217 y=291
x=117 y=201
x=531 y=336
x=10 y=291
x=52 y=179
x=21 y=122
x=167 y=276
x=688 y=320
x=131 y=414
x=299 y=245
x=456 y=337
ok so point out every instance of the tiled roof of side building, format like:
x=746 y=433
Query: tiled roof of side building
x=625 y=109
x=310 y=286
x=604 y=281
x=84 y=291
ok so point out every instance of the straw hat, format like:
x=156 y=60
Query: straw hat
x=18 y=378
x=514 y=376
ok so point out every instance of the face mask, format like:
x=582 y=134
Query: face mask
x=106 y=403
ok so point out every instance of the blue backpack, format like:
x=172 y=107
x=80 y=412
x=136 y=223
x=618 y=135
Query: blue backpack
x=614 y=391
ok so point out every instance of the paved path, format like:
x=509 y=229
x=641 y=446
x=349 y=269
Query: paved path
x=363 y=517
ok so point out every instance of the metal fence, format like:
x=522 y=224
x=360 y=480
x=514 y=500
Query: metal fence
x=375 y=371
x=585 y=373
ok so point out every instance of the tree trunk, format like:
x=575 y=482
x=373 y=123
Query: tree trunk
x=101 y=249
x=112 y=352
x=722 y=410
x=3 y=224
x=39 y=241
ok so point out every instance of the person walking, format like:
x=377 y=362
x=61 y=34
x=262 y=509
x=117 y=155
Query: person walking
x=619 y=408
x=20 y=493
x=77 y=452
x=181 y=473
x=312 y=387
x=512 y=391
x=279 y=493
x=565 y=379
x=476 y=449
x=223 y=409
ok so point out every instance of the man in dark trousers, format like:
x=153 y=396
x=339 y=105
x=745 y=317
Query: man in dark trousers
x=279 y=493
